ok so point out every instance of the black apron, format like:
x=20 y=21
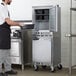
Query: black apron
x=5 y=39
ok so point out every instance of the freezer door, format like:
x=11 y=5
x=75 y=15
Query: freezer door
x=54 y=18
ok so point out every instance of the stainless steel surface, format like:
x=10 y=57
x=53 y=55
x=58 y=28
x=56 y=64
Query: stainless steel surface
x=27 y=26
x=46 y=43
x=15 y=46
x=27 y=45
x=16 y=51
x=21 y=39
x=46 y=18
x=42 y=47
x=71 y=35
x=70 y=38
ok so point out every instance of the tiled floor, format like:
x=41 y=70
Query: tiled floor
x=30 y=72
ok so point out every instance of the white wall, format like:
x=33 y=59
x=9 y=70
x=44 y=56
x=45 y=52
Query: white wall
x=20 y=9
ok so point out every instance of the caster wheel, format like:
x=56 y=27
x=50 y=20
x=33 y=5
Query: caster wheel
x=59 y=66
x=36 y=67
x=44 y=66
x=52 y=69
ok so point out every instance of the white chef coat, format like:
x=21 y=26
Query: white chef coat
x=3 y=13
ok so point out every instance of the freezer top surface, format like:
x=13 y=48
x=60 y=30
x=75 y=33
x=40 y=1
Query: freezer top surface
x=27 y=26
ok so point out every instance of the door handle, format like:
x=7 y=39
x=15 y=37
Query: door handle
x=70 y=35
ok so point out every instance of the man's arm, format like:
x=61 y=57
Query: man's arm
x=12 y=23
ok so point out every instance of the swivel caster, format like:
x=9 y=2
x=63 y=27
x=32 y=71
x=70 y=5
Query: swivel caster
x=36 y=67
x=52 y=69
x=59 y=66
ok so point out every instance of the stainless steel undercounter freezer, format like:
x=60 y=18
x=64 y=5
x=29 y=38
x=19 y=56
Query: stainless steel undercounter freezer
x=26 y=34
x=46 y=43
x=21 y=44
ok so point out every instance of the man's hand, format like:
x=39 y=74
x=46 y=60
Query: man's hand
x=21 y=24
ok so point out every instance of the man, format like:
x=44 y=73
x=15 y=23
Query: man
x=5 y=23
